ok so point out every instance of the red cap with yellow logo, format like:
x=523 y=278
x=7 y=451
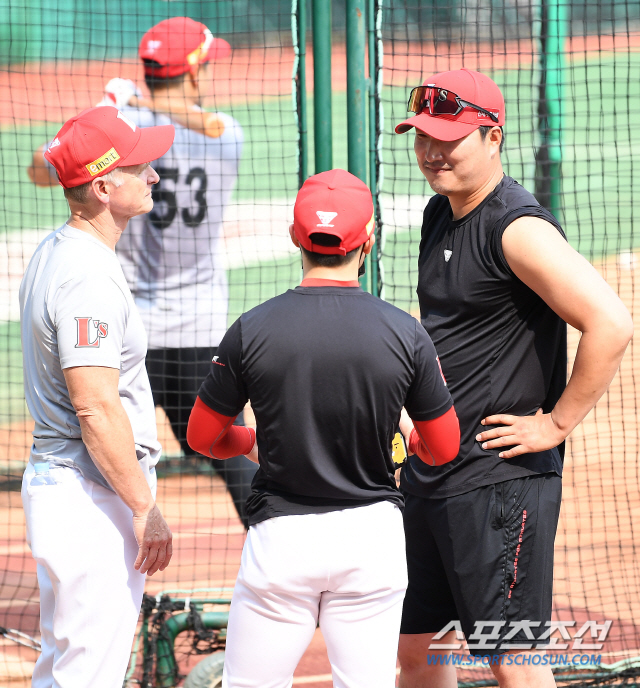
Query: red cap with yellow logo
x=100 y=139
x=335 y=203
x=178 y=45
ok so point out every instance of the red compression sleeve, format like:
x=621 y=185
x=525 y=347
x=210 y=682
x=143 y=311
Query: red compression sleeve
x=212 y=434
x=436 y=441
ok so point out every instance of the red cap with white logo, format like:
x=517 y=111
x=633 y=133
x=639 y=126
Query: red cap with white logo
x=178 y=45
x=473 y=88
x=100 y=139
x=335 y=203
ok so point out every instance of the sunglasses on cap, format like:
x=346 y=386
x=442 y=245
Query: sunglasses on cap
x=440 y=101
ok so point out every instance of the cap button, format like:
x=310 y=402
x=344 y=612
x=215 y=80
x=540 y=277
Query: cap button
x=331 y=186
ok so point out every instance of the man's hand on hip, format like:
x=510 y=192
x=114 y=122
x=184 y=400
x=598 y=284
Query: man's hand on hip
x=528 y=434
x=154 y=541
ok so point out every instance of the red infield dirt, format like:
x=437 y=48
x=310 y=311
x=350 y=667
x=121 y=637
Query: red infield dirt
x=596 y=573
x=53 y=92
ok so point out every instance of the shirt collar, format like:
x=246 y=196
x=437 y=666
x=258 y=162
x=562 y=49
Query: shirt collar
x=315 y=282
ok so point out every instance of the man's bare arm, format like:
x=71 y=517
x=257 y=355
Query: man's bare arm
x=186 y=115
x=572 y=287
x=39 y=172
x=107 y=434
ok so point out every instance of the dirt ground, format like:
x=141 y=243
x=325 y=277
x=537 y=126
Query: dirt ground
x=55 y=91
x=596 y=571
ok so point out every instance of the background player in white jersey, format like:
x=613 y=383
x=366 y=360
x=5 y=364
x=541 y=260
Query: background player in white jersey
x=172 y=257
x=88 y=490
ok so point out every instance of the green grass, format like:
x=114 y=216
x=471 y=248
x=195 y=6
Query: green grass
x=12 y=404
x=601 y=161
x=601 y=149
x=250 y=286
x=601 y=179
x=268 y=168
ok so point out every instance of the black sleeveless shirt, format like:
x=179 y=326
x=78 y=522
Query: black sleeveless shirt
x=502 y=349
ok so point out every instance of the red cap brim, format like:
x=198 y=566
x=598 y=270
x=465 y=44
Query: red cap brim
x=154 y=142
x=438 y=127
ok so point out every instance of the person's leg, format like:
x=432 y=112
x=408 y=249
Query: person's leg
x=428 y=606
x=523 y=670
x=361 y=609
x=496 y=545
x=183 y=381
x=274 y=607
x=41 y=677
x=424 y=667
x=162 y=375
x=81 y=535
x=534 y=508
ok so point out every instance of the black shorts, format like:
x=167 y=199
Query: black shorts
x=485 y=555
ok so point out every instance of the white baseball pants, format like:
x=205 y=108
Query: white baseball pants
x=81 y=536
x=345 y=570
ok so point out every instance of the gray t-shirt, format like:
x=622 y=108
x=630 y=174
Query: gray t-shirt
x=76 y=310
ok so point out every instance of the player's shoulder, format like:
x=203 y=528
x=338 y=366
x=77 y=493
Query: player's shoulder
x=80 y=257
x=399 y=320
x=513 y=195
x=516 y=202
x=267 y=308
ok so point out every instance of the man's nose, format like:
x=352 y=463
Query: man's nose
x=432 y=151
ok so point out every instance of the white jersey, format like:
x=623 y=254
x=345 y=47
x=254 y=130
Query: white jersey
x=76 y=310
x=172 y=257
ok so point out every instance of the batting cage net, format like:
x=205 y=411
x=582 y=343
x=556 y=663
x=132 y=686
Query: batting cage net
x=569 y=74
x=217 y=244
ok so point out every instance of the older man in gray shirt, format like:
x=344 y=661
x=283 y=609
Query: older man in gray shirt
x=88 y=491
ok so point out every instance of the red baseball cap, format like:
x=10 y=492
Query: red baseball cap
x=469 y=86
x=179 y=45
x=336 y=203
x=100 y=139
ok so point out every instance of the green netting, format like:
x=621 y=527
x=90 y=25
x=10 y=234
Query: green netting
x=56 y=57
x=596 y=575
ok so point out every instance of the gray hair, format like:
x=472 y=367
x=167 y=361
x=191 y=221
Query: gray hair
x=79 y=194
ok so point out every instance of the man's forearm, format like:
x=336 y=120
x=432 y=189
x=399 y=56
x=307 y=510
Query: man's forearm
x=40 y=173
x=108 y=437
x=185 y=114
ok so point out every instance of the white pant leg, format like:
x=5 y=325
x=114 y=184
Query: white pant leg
x=42 y=671
x=81 y=536
x=360 y=613
x=274 y=608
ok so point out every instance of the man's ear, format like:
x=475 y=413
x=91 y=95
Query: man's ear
x=293 y=236
x=368 y=246
x=100 y=190
x=194 y=73
x=495 y=136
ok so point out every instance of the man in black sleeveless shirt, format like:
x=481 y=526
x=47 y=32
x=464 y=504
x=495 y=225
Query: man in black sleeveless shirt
x=497 y=282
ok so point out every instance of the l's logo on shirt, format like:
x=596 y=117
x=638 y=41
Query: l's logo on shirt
x=90 y=332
